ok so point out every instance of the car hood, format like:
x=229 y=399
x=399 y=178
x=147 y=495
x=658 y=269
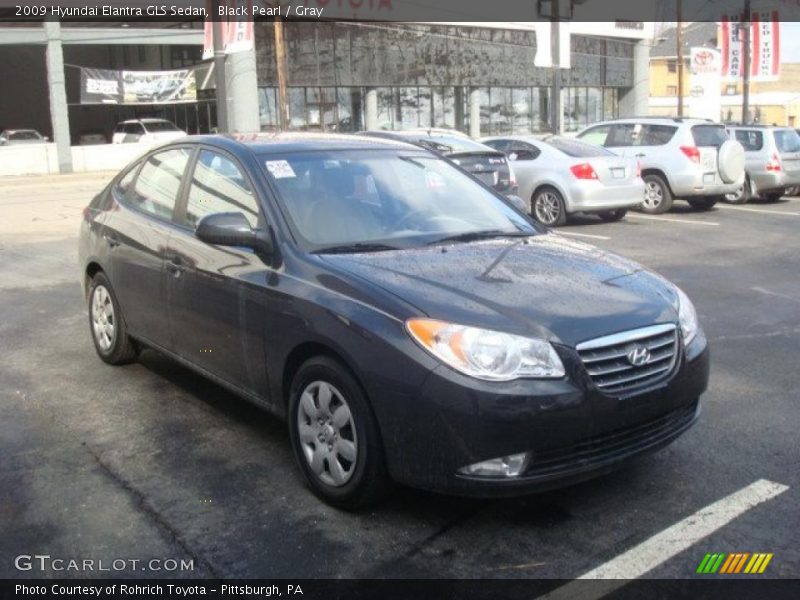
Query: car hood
x=546 y=286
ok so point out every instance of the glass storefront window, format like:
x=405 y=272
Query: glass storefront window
x=267 y=109
x=610 y=110
x=297 y=108
x=408 y=108
x=594 y=106
x=444 y=108
x=521 y=110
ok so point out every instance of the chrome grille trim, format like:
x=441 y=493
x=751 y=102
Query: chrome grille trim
x=606 y=363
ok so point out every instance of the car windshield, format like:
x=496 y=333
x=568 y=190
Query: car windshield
x=159 y=126
x=23 y=135
x=380 y=200
x=787 y=140
x=577 y=149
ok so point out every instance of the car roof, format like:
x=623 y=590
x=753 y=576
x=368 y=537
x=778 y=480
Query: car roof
x=145 y=120
x=280 y=142
x=659 y=121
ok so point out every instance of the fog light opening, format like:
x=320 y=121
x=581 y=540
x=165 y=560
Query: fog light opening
x=509 y=466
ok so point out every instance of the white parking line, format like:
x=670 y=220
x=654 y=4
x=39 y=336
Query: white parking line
x=586 y=235
x=688 y=222
x=664 y=545
x=759 y=210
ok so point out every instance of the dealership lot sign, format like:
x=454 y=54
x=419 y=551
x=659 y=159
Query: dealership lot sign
x=765 y=60
x=104 y=86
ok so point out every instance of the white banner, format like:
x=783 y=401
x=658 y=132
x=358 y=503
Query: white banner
x=705 y=68
x=765 y=60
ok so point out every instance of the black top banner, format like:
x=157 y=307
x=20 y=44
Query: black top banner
x=456 y=11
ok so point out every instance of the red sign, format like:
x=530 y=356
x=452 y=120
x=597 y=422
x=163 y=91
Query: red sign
x=765 y=60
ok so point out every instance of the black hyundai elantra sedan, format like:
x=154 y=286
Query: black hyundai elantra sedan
x=409 y=323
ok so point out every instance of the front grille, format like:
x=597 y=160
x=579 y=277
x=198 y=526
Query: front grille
x=612 y=447
x=611 y=370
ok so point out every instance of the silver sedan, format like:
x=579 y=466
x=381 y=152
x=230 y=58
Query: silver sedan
x=559 y=176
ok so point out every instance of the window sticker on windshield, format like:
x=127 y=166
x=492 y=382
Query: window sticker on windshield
x=280 y=169
x=433 y=180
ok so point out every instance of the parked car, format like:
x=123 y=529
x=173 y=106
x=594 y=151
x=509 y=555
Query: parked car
x=560 y=176
x=9 y=137
x=486 y=164
x=407 y=321
x=92 y=137
x=681 y=158
x=772 y=162
x=146 y=131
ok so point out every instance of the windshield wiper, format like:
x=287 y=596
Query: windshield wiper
x=355 y=248
x=472 y=236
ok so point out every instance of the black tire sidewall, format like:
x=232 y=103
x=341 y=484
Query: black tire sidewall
x=368 y=474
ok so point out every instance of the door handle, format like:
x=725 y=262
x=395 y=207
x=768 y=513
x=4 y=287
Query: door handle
x=175 y=266
x=111 y=240
x=640 y=155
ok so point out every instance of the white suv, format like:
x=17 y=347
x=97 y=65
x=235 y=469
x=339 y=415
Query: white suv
x=146 y=131
x=690 y=159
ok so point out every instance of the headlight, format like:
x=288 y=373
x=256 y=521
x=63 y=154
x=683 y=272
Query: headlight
x=687 y=316
x=485 y=354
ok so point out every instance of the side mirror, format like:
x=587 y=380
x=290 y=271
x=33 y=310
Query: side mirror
x=233 y=229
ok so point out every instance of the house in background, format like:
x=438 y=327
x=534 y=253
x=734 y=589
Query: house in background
x=770 y=101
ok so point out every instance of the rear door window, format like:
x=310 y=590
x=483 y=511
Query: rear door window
x=655 y=135
x=709 y=135
x=750 y=139
x=159 y=182
x=522 y=151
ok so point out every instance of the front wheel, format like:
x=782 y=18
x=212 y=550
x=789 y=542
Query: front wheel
x=334 y=435
x=704 y=203
x=609 y=216
x=657 y=195
x=548 y=207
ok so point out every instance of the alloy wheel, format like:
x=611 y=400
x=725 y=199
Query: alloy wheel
x=653 y=195
x=547 y=208
x=103 y=320
x=327 y=433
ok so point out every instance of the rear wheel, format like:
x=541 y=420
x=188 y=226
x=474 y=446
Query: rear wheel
x=793 y=191
x=740 y=196
x=334 y=435
x=107 y=325
x=657 y=195
x=609 y=216
x=704 y=202
x=548 y=207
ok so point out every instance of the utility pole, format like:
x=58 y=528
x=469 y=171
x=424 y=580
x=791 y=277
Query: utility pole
x=555 y=50
x=679 y=43
x=219 y=71
x=280 y=67
x=745 y=37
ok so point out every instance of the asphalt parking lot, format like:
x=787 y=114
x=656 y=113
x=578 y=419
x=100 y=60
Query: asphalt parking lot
x=150 y=461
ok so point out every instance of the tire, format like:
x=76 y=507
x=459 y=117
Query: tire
x=350 y=472
x=610 y=216
x=548 y=208
x=704 y=202
x=741 y=196
x=658 y=197
x=107 y=324
x=793 y=191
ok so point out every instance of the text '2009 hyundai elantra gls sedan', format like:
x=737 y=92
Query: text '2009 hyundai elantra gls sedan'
x=407 y=321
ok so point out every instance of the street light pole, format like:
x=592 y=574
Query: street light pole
x=745 y=30
x=219 y=71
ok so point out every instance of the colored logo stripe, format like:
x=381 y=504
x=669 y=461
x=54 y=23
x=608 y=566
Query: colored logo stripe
x=734 y=563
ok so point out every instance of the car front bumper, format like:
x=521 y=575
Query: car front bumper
x=571 y=430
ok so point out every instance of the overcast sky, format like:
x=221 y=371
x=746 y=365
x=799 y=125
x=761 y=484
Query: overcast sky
x=790 y=42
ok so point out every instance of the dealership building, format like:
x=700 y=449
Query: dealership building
x=480 y=78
